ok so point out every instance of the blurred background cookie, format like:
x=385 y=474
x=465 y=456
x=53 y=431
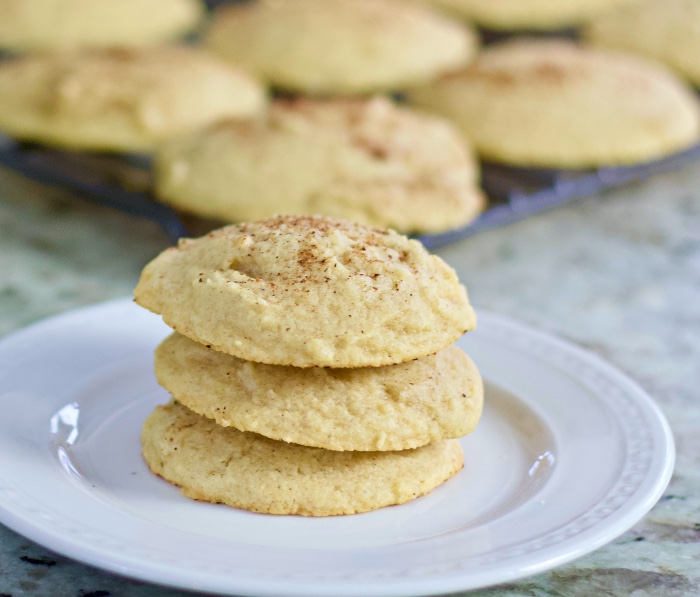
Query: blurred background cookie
x=556 y=104
x=665 y=30
x=367 y=161
x=62 y=24
x=120 y=100
x=509 y=15
x=339 y=47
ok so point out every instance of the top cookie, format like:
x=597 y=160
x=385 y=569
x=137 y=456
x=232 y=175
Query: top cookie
x=557 y=104
x=511 y=15
x=665 y=30
x=339 y=47
x=363 y=160
x=308 y=291
x=120 y=100
x=63 y=24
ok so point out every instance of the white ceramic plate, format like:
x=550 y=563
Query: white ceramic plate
x=569 y=454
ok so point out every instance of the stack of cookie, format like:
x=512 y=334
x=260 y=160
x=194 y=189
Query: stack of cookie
x=312 y=367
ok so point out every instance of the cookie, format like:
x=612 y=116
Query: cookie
x=369 y=408
x=509 y=15
x=339 y=47
x=245 y=470
x=664 y=30
x=308 y=291
x=366 y=161
x=556 y=104
x=120 y=100
x=63 y=24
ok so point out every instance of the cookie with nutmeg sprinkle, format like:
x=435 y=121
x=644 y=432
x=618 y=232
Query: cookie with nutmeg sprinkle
x=308 y=292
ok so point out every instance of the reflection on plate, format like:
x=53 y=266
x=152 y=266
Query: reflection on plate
x=568 y=455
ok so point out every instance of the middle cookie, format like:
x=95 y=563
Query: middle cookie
x=387 y=408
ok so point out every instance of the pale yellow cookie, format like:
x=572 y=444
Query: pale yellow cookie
x=526 y=14
x=369 y=408
x=553 y=103
x=665 y=30
x=366 y=161
x=341 y=46
x=245 y=470
x=120 y=100
x=62 y=24
x=308 y=291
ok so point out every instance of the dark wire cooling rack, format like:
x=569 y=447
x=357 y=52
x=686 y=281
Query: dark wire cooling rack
x=124 y=183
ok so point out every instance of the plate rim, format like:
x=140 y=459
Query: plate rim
x=158 y=572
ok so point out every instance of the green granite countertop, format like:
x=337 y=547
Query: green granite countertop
x=618 y=274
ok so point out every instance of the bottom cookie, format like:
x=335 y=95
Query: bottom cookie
x=245 y=470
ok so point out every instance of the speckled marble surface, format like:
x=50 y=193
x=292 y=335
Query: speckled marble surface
x=618 y=274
